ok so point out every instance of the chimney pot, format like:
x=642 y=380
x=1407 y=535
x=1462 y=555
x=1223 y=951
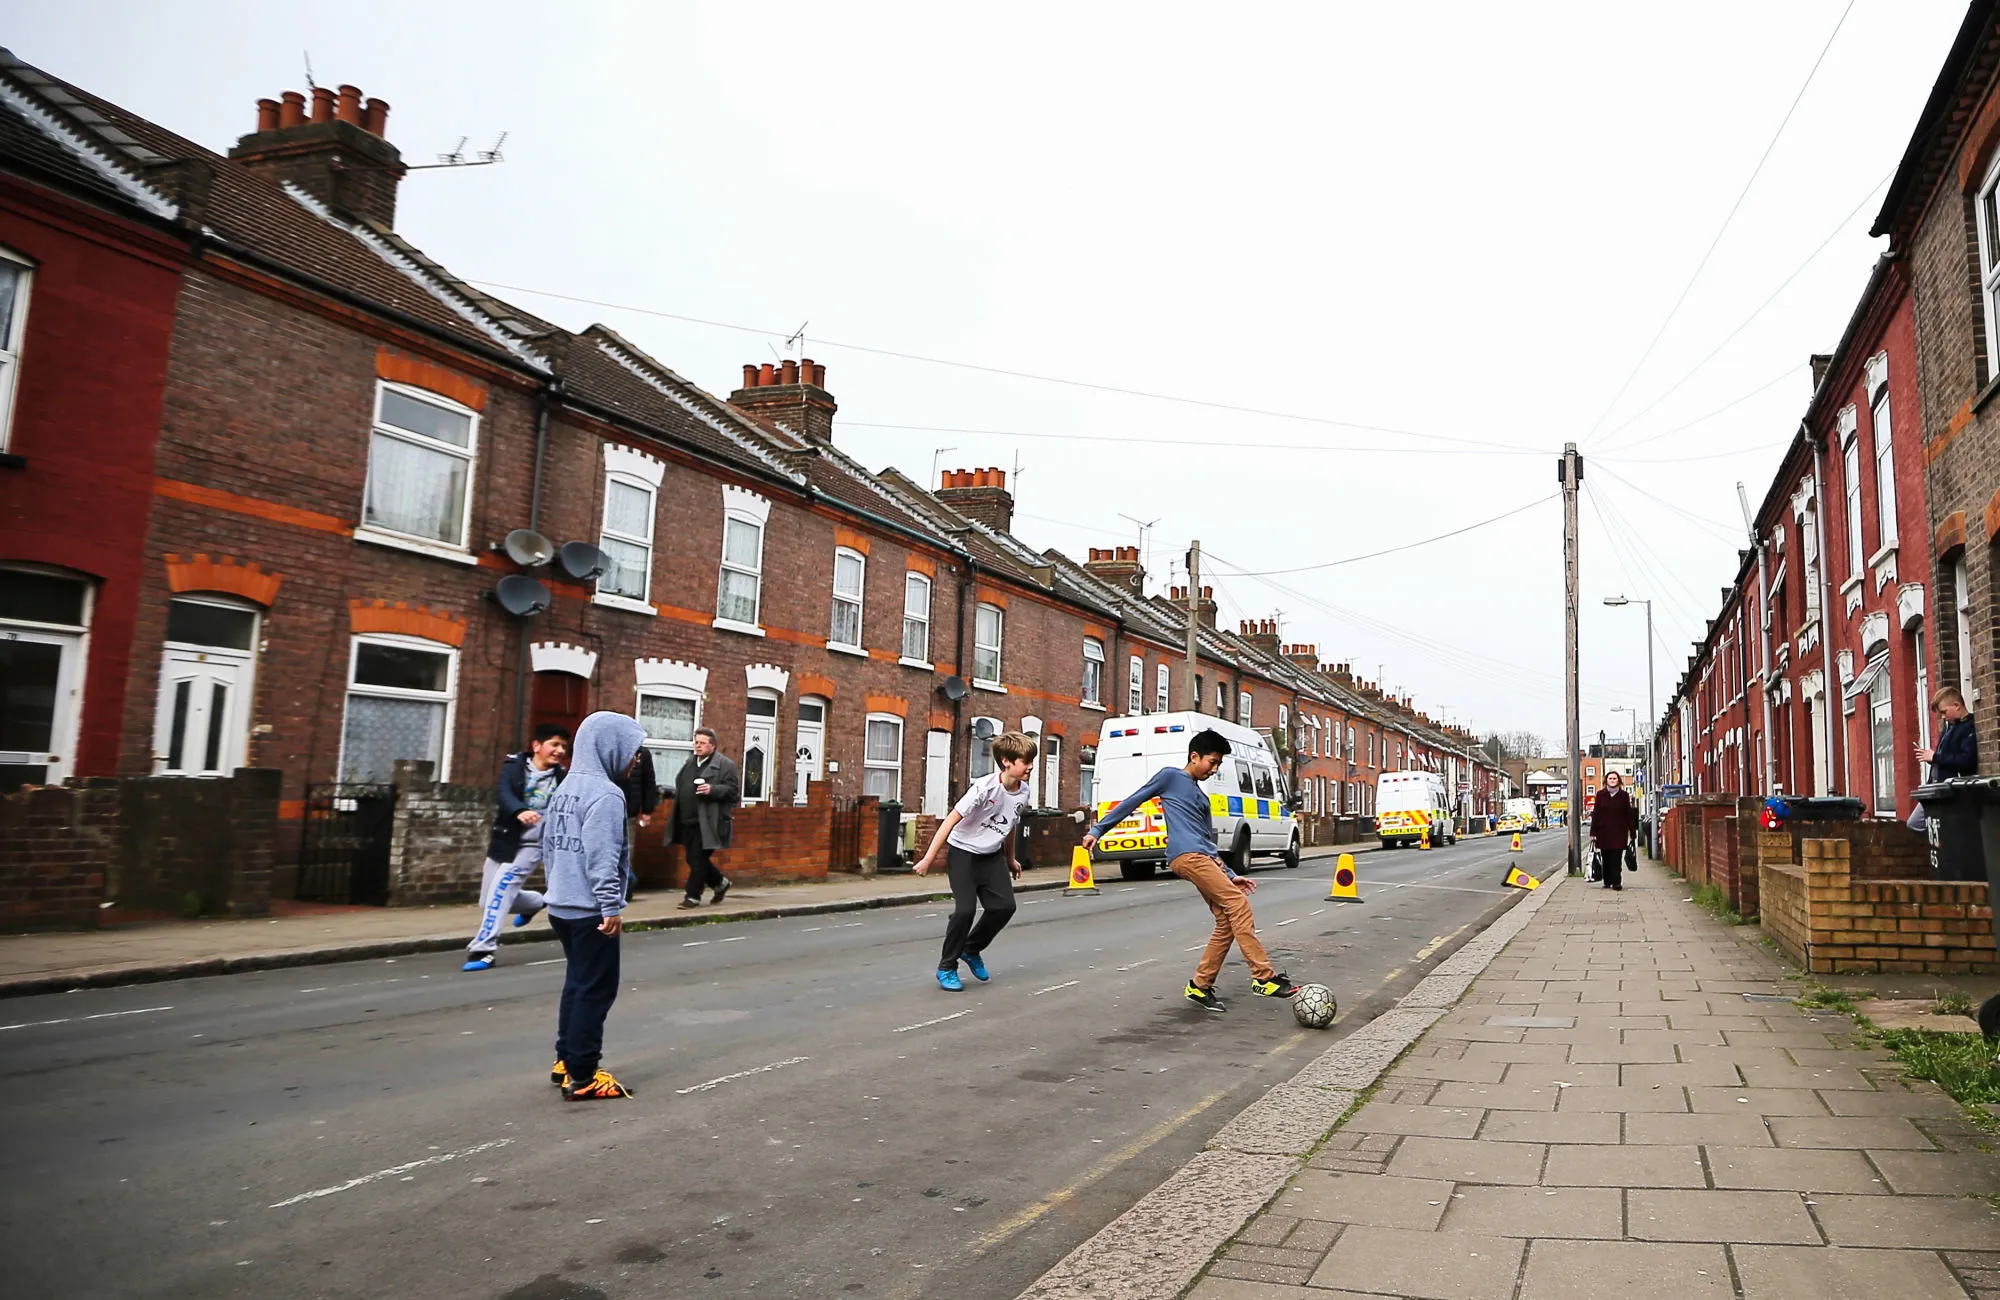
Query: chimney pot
x=348 y=107
x=749 y=375
x=819 y=376
x=789 y=372
x=292 y=111
x=322 y=109
x=375 y=118
x=766 y=375
x=1208 y=593
x=267 y=115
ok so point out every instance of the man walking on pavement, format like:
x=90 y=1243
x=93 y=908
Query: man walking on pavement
x=514 y=850
x=705 y=794
x=1612 y=819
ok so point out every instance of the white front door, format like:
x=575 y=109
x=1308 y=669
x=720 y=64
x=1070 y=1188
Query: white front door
x=201 y=725
x=40 y=680
x=937 y=773
x=811 y=747
x=1048 y=773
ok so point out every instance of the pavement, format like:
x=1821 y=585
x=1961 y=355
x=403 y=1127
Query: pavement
x=1619 y=1096
x=308 y=935
x=814 y=1116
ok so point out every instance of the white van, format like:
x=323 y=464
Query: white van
x=1521 y=814
x=1250 y=806
x=1410 y=805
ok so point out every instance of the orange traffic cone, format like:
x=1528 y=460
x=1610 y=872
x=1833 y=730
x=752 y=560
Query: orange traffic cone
x=1516 y=845
x=1346 y=886
x=1082 y=876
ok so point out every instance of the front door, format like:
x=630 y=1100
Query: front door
x=560 y=698
x=200 y=726
x=38 y=695
x=1048 y=773
x=937 y=773
x=810 y=748
x=760 y=740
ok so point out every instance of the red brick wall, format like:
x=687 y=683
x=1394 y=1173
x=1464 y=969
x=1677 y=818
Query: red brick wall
x=55 y=846
x=93 y=365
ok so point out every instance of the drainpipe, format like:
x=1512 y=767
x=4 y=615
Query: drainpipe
x=1763 y=635
x=1831 y=684
x=965 y=674
x=545 y=398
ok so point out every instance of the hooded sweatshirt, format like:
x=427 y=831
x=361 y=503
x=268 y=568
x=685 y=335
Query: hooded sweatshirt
x=583 y=837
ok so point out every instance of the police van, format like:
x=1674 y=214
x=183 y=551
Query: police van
x=1410 y=806
x=1250 y=808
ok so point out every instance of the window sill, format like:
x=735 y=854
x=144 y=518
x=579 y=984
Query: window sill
x=434 y=550
x=9 y=460
x=626 y=603
x=840 y=649
x=923 y=664
x=994 y=687
x=1888 y=549
x=731 y=625
x=1094 y=708
x=1851 y=584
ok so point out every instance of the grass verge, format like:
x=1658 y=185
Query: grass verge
x=1713 y=900
x=1818 y=997
x=1961 y=1064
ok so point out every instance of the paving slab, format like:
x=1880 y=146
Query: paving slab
x=1624 y=1100
x=1854 y=1132
x=1922 y=1222
x=1543 y=1126
x=1423 y=1121
x=1374 y=1200
x=1757 y=1101
x=1776 y=1218
x=1423 y=1265
x=1938 y=1173
x=1813 y=1273
x=1624 y=1166
x=1585 y=1270
x=1776 y=1169
x=1585 y=1212
x=1496 y=1096
x=1457 y=1160
x=1725 y=1129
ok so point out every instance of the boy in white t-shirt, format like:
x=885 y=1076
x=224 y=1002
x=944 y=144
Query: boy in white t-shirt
x=980 y=861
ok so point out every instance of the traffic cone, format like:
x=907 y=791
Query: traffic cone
x=1520 y=879
x=1516 y=845
x=1426 y=841
x=1346 y=886
x=1082 y=876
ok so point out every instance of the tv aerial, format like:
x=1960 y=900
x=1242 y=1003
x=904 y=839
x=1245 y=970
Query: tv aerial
x=457 y=158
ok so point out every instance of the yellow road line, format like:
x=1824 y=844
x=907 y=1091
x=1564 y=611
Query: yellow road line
x=1438 y=943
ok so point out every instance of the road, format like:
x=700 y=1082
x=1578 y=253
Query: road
x=814 y=1116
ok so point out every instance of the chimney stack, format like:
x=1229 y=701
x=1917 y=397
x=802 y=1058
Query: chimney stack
x=791 y=393
x=1263 y=634
x=1204 y=608
x=1305 y=656
x=979 y=494
x=339 y=154
x=1119 y=566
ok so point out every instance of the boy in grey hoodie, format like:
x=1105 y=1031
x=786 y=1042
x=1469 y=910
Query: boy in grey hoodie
x=584 y=854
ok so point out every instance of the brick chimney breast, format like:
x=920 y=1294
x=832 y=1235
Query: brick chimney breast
x=791 y=393
x=1119 y=566
x=980 y=494
x=339 y=155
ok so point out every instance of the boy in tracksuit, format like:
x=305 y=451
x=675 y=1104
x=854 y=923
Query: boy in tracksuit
x=528 y=781
x=585 y=854
x=1193 y=857
x=979 y=861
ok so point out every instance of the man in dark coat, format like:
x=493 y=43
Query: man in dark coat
x=705 y=795
x=1957 y=750
x=1612 y=821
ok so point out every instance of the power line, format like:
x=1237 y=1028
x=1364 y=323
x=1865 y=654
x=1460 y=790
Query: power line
x=1009 y=374
x=1758 y=391
x=1733 y=209
x=1724 y=531
x=1407 y=546
x=1682 y=460
x=1207 y=443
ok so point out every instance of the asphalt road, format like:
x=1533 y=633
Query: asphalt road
x=814 y=1116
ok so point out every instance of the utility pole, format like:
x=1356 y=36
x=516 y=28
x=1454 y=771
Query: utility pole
x=1194 y=626
x=1570 y=471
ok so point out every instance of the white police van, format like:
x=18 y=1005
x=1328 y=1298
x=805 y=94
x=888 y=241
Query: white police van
x=1251 y=808
x=1411 y=807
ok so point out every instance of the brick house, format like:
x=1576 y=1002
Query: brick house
x=90 y=266
x=1942 y=215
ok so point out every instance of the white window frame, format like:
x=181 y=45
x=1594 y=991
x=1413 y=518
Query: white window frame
x=854 y=599
x=1162 y=688
x=654 y=746
x=449 y=694
x=642 y=473
x=1961 y=591
x=995 y=646
x=1135 y=686
x=1093 y=677
x=1987 y=214
x=871 y=766
x=1245 y=708
x=1850 y=472
x=912 y=580
x=1885 y=469
x=469 y=453
x=744 y=507
x=11 y=340
x=1222 y=699
x=979 y=761
x=1882 y=745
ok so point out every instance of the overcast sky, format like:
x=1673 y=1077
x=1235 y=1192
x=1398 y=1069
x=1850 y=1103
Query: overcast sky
x=1420 y=246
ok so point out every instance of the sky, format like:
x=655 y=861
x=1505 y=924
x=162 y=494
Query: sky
x=1306 y=282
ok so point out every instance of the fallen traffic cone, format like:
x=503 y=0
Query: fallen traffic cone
x=1520 y=879
x=1082 y=876
x=1346 y=887
x=1516 y=845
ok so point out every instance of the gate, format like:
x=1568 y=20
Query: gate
x=344 y=855
x=851 y=821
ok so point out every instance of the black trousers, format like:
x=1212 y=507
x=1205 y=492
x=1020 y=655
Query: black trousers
x=590 y=986
x=702 y=871
x=977 y=880
x=1614 y=866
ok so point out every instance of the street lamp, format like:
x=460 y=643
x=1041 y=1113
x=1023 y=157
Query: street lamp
x=1652 y=783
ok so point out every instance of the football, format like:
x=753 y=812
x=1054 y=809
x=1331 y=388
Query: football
x=1313 y=1006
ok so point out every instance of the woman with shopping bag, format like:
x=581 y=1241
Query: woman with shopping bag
x=1612 y=821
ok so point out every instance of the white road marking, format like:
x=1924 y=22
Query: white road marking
x=926 y=1024
x=1137 y=964
x=548 y=961
x=390 y=1173
x=1196 y=948
x=1288 y=921
x=1456 y=889
x=742 y=1074
x=695 y=943
x=850 y=925
x=809 y=929
x=1316 y=913
x=102 y=1015
x=321 y=989
x=1053 y=987
x=738 y=939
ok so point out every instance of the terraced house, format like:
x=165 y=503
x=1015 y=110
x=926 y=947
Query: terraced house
x=319 y=439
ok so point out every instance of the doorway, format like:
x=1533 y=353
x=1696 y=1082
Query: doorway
x=937 y=773
x=201 y=724
x=760 y=742
x=43 y=617
x=558 y=697
x=811 y=747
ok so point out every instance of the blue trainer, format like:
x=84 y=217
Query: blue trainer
x=522 y=918
x=975 y=964
x=949 y=981
x=484 y=961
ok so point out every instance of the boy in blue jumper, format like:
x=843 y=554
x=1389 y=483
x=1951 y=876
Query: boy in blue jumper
x=1194 y=857
x=585 y=853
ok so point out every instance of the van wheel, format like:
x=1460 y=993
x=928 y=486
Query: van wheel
x=1239 y=853
x=1136 y=870
x=1291 y=858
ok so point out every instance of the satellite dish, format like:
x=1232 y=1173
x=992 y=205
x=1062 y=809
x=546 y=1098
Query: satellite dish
x=954 y=688
x=582 y=561
x=528 y=548
x=521 y=595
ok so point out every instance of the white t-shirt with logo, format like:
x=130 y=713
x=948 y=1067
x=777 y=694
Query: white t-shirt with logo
x=987 y=813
